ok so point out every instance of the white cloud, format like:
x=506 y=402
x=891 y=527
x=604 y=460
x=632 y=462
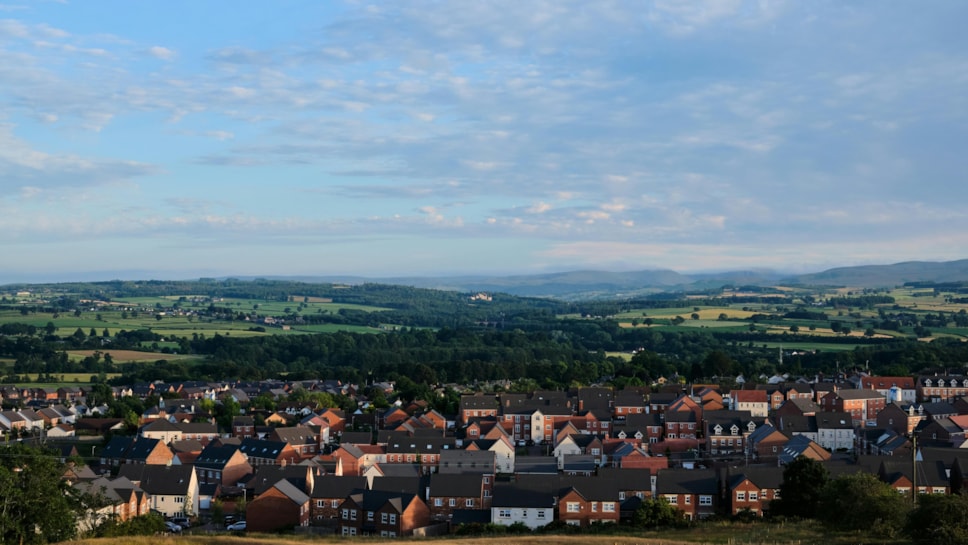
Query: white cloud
x=162 y=53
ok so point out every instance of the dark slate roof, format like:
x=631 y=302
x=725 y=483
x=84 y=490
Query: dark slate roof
x=159 y=480
x=513 y=495
x=215 y=457
x=261 y=448
x=264 y=476
x=400 y=485
x=373 y=500
x=331 y=486
x=456 y=485
x=141 y=448
x=687 y=481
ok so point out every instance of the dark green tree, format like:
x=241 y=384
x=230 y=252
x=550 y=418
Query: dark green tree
x=36 y=505
x=939 y=520
x=862 y=502
x=657 y=513
x=803 y=482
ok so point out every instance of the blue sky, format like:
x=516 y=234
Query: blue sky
x=176 y=139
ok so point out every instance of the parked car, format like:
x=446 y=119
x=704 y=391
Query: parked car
x=172 y=527
x=236 y=526
x=182 y=521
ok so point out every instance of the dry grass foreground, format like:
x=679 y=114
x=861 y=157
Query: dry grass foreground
x=499 y=540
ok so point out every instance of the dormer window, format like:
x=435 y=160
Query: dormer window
x=734 y=430
x=941 y=383
x=927 y=382
x=718 y=429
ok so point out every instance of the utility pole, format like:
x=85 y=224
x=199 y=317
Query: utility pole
x=914 y=467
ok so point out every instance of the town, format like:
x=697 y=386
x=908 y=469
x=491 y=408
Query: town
x=580 y=457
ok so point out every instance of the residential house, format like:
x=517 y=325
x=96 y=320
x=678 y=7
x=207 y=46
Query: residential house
x=261 y=451
x=903 y=419
x=222 y=464
x=754 y=401
x=752 y=489
x=504 y=452
x=478 y=405
x=173 y=489
x=301 y=438
x=449 y=492
x=513 y=503
x=941 y=388
x=835 y=431
x=862 y=405
x=627 y=402
x=765 y=443
x=329 y=491
x=282 y=506
x=243 y=427
x=695 y=492
x=801 y=445
x=901 y=390
x=384 y=514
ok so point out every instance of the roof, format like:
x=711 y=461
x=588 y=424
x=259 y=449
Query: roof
x=332 y=486
x=686 y=481
x=456 y=485
x=160 y=480
x=513 y=495
x=290 y=491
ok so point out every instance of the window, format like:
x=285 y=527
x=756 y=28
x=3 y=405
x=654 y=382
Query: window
x=345 y=514
x=608 y=506
x=573 y=507
x=504 y=513
x=369 y=516
x=320 y=503
x=393 y=519
x=672 y=499
x=352 y=514
x=541 y=513
x=469 y=502
x=334 y=504
x=688 y=499
x=384 y=517
x=453 y=502
x=754 y=496
x=705 y=500
x=438 y=502
x=741 y=496
x=594 y=505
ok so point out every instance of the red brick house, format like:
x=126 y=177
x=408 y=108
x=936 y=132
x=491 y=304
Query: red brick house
x=753 y=489
x=384 y=514
x=449 y=492
x=282 y=506
x=329 y=491
x=862 y=405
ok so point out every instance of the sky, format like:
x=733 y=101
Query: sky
x=176 y=139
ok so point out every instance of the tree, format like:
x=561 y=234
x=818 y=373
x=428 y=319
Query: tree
x=36 y=505
x=657 y=513
x=939 y=520
x=800 y=492
x=862 y=502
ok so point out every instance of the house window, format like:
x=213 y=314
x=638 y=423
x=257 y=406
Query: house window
x=754 y=496
x=334 y=504
x=453 y=502
x=352 y=514
x=573 y=507
x=469 y=502
x=705 y=500
x=594 y=507
x=393 y=518
x=438 y=502
x=384 y=517
x=672 y=499
x=505 y=513
x=541 y=513
x=346 y=514
x=741 y=496
x=688 y=499
x=320 y=503
x=608 y=506
x=369 y=516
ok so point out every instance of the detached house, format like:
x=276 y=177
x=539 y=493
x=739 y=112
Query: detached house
x=283 y=506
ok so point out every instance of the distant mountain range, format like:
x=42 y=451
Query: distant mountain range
x=602 y=284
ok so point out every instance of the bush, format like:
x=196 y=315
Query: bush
x=939 y=520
